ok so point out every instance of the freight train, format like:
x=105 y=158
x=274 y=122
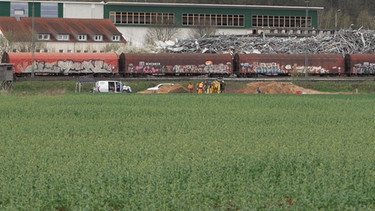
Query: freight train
x=211 y=65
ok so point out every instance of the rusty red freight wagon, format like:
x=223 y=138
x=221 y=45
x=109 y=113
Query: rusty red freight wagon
x=248 y=65
x=63 y=63
x=360 y=64
x=176 y=64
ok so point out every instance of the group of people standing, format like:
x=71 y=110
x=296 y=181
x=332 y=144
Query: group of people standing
x=208 y=87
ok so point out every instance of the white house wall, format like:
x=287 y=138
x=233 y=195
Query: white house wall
x=57 y=47
x=135 y=36
x=83 y=10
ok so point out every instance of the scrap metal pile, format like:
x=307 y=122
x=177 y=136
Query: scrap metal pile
x=342 y=42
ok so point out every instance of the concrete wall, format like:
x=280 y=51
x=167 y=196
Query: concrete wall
x=74 y=47
x=83 y=10
x=135 y=36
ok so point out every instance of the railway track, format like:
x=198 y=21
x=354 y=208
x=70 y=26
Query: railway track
x=75 y=78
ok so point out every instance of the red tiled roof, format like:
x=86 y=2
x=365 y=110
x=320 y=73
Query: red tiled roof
x=14 y=30
x=20 y=29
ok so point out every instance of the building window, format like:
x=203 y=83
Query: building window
x=61 y=51
x=226 y=20
x=98 y=37
x=19 y=9
x=43 y=36
x=48 y=9
x=280 y=21
x=82 y=37
x=142 y=18
x=19 y=12
x=116 y=38
x=62 y=37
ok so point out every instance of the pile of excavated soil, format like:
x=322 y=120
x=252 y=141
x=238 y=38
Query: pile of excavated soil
x=276 y=88
x=177 y=88
x=250 y=88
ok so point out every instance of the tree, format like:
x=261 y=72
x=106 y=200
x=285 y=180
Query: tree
x=327 y=19
x=202 y=31
x=161 y=33
x=11 y=41
x=365 y=20
x=115 y=47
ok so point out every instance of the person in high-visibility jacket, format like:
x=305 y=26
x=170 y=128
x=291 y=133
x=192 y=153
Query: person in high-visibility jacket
x=190 y=87
x=200 y=87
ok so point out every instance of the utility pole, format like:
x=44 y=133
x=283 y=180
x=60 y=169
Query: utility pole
x=337 y=11
x=32 y=40
x=306 y=45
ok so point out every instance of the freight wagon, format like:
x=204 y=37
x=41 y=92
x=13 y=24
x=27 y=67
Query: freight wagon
x=62 y=63
x=177 y=64
x=360 y=64
x=250 y=65
x=211 y=65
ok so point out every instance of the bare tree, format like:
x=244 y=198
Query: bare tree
x=115 y=47
x=7 y=41
x=327 y=22
x=365 y=20
x=11 y=41
x=3 y=44
x=162 y=33
x=202 y=31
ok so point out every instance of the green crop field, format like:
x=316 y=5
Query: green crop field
x=187 y=152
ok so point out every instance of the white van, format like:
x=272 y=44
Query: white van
x=108 y=86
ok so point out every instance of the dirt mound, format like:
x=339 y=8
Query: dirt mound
x=250 y=88
x=176 y=88
x=276 y=88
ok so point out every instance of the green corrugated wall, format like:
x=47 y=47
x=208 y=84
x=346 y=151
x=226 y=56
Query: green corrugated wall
x=4 y=8
x=248 y=12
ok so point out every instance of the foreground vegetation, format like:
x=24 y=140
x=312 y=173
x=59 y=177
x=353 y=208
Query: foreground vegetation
x=187 y=152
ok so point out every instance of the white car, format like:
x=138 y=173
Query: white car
x=108 y=86
x=157 y=87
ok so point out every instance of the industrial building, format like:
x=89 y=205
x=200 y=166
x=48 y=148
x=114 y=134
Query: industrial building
x=134 y=19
